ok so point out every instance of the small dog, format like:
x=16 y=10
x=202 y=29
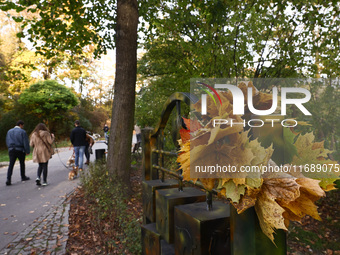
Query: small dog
x=70 y=161
x=73 y=173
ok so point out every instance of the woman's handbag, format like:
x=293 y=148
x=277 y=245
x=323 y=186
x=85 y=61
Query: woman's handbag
x=49 y=147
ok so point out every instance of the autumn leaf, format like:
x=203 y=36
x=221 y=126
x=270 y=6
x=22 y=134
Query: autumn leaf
x=270 y=214
x=184 y=160
x=292 y=198
x=192 y=126
x=313 y=153
x=209 y=183
x=268 y=210
x=248 y=200
x=232 y=191
x=210 y=147
x=310 y=192
x=253 y=183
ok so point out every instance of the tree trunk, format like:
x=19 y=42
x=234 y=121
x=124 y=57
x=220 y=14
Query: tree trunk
x=123 y=108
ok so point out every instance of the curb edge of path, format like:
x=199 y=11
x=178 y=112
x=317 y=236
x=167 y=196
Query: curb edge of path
x=47 y=234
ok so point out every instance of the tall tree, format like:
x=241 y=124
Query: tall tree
x=124 y=95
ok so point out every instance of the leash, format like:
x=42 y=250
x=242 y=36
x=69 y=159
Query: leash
x=55 y=144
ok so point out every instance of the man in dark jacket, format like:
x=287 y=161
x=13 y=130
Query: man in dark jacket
x=18 y=147
x=78 y=139
x=106 y=130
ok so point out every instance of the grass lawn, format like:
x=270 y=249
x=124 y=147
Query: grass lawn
x=4 y=152
x=5 y=158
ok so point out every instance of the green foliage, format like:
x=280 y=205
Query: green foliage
x=220 y=39
x=108 y=202
x=90 y=115
x=75 y=23
x=9 y=119
x=48 y=100
x=324 y=107
x=63 y=143
x=150 y=101
x=16 y=64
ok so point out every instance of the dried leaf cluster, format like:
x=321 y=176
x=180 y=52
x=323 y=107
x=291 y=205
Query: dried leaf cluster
x=278 y=198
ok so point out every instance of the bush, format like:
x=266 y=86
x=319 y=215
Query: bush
x=108 y=206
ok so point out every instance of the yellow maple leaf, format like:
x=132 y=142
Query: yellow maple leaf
x=209 y=183
x=310 y=191
x=248 y=200
x=232 y=191
x=314 y=159
x=268 y=210
x=270 y=214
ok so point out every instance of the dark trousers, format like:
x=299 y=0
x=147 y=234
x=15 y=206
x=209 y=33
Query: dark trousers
x=43 y=169
x=87 y=152
x=13 y=156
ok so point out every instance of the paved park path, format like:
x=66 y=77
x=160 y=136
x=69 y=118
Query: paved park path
x=34 y=220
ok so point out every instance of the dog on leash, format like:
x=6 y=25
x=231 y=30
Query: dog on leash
x=73 y=173
x=70 y=161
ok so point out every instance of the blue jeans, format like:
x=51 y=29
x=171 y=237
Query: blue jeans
x=79 y=156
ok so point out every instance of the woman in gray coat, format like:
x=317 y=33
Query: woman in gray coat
x=41 y=141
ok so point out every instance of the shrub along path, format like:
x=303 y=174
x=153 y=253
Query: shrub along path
x=115 y=229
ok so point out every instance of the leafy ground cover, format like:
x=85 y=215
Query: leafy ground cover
x=103 y=218
x=318 y=237
x=103 y=230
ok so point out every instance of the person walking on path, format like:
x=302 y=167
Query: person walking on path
x=88 y=147
x=41 y=140
x=106 y=130
x=18 y=147
x=138 y=140
x=78 y=140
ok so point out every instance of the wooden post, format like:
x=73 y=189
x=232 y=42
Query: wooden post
x=147 y=161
